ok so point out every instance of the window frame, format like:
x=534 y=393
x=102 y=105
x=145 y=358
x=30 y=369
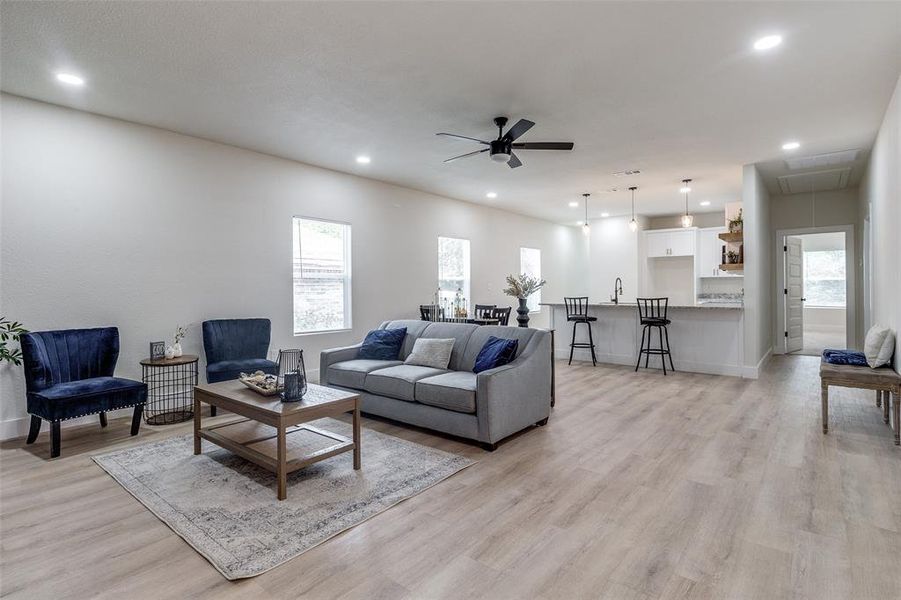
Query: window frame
x=467 y=272
x=347 y=279
x=536 y=295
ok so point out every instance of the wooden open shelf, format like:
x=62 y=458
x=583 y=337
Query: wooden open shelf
x=733 y=267
x=738 y=236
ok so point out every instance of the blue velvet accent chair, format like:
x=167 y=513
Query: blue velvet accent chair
x=235 y=346
x=70 y=373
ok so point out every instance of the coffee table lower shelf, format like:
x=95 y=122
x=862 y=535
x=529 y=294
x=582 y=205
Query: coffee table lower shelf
x=251 y=443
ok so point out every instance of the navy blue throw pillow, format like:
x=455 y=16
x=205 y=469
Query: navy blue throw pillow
x=495 y=353
x=383 y=344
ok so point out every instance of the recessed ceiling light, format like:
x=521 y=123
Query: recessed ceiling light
x=767 y=42
x=684 y=189
x=791 y=145
x=574 y=204
x=69 y=78
x=364 y=160
x=491 y=195
x=705 y=203
x=605 y=214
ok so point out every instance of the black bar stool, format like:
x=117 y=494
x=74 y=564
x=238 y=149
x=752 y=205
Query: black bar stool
x=577 y=312
x=652 y=313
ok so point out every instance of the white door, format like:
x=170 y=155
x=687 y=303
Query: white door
x=682 y=243
x=794 y=294
x=658 y=244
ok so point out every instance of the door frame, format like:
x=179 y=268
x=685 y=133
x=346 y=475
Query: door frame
x=850 y=282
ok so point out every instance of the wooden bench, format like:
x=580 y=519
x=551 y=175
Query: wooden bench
x=884 y=380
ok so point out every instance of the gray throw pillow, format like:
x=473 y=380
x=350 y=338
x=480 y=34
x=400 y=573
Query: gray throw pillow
x=431 y=352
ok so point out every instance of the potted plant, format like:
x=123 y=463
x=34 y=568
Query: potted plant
x=174 y=351
x=522 y=287
x=10 y=331
x=732 y=257
x=737 y=224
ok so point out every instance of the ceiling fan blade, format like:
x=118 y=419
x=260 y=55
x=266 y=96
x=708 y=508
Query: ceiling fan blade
x=522 y=126
x=514 y=161
x=462 y=137
x=467 y=154
x=544 y=145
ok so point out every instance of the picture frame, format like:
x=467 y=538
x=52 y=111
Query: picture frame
x=157 y=350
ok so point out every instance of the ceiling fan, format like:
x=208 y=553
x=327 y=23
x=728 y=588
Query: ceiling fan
x=501 y=149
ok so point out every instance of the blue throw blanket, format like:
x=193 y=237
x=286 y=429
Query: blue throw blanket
x=845 y=357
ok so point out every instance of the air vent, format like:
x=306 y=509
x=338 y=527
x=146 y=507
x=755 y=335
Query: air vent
x=819 y=161
x=816 y=181
x=627 y=173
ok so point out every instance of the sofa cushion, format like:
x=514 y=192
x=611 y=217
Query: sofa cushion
x=85 y=397
x=495 y=353
x=431 y=352
x=352 y=373
x=879 y=346
x=227 y=370
x=382 y=344
x=454 y=391
x=460 y=332
x=522 y=334
x=398 y=382
x=414 y=330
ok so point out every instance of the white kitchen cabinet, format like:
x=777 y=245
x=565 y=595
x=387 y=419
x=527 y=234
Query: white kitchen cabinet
x=671 y=242
x=710 y=253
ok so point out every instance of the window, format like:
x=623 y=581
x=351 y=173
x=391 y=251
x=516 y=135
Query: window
x=824 y=278
x=321 y=276
x=453 y=271
x=530 y=264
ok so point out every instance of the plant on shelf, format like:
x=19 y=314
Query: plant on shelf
x=732 y=257
x=737 y=224
x=180 y=333
x=522 y=287
x=10 y=331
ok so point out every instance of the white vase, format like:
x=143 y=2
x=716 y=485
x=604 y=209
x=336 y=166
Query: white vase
x=177 y=349
x=170 y=352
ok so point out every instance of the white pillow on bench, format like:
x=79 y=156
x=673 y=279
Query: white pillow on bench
x=879 y=346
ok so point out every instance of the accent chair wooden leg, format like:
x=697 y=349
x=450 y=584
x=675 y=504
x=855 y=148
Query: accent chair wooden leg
x=896 y=397
x=54 y=439
x=136 y=419
x=885 y=406
x=34 y=430
x=825 y=408
x=102 y=419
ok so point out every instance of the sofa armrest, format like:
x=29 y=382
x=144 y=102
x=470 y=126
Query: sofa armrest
x=335 y=355
x=514 y=396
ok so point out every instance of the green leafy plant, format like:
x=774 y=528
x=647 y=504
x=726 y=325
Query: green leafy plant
x=180 y=333
x=10 y=331
x=737 y=224
x=523 y=286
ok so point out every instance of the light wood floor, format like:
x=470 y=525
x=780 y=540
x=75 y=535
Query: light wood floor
x=689 y=486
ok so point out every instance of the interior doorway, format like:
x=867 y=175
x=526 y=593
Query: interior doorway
x=815 y=303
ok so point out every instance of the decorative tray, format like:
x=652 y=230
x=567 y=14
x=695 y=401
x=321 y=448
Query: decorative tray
x=261 y=383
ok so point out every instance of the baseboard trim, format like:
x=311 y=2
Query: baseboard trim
x=18 y=428
x=584 y=355
x=753 y=372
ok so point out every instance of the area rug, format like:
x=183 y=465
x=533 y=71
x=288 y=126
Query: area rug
x=226 y=507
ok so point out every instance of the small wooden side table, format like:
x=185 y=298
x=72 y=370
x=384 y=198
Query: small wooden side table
x=170 y=389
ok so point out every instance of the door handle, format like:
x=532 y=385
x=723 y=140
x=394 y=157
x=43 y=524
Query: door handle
x=803 y=299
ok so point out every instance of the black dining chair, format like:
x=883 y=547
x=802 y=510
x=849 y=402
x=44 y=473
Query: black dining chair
x=430 y=312
x=652 y=312
x=577 y=312
x=501 y=314
x=483 y=311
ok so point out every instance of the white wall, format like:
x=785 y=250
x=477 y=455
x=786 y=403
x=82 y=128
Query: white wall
x=880 y=196
x=820 y=318
x=110 y=223
x=758 y=270
x=613 y=252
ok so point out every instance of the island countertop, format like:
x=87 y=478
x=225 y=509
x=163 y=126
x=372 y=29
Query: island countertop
x=708 y=304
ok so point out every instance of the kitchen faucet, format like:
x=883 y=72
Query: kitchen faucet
x=617 y=290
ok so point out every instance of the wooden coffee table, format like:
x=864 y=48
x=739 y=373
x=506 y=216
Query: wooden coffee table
x=252 y=437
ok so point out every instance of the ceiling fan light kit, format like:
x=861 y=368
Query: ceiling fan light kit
x=501 y=149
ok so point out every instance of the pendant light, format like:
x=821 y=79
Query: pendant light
x=585 y=226
x=633 y=224
x=687 y=219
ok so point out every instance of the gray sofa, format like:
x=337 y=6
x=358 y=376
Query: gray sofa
x=486 y=407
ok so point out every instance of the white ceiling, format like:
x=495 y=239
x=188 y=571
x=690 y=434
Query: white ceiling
x=673 y=89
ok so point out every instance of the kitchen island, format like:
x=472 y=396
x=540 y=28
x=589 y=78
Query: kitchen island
x=705 y=337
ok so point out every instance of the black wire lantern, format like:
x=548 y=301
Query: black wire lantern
x=293 y=374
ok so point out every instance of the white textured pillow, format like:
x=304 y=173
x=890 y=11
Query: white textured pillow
x=879 y=346
x=431 y=352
